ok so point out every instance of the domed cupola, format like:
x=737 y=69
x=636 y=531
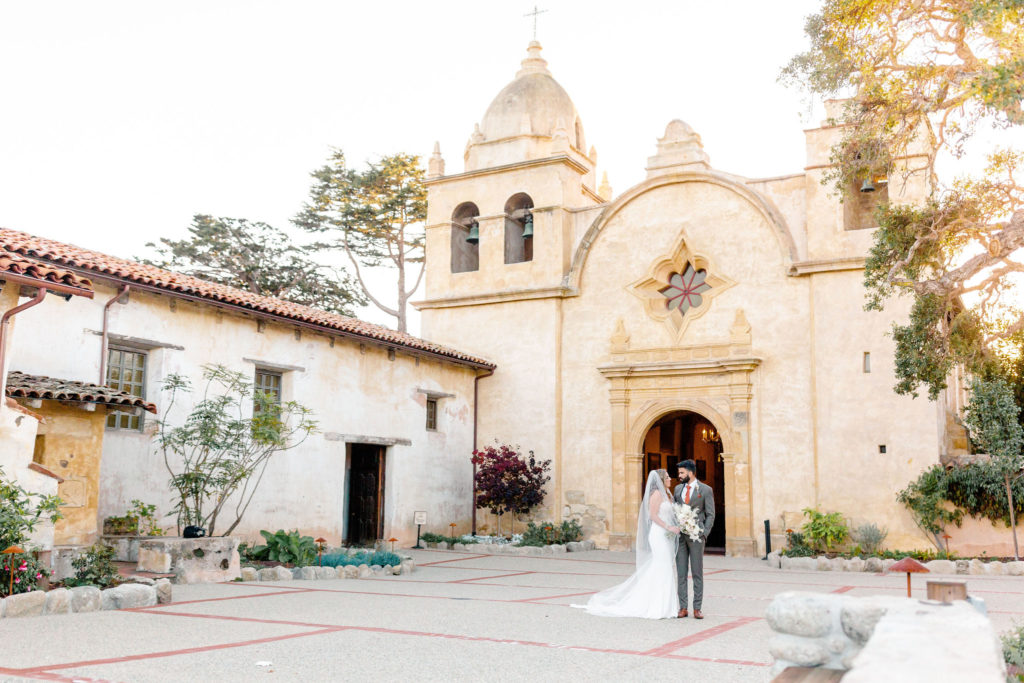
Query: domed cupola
x=532 y=117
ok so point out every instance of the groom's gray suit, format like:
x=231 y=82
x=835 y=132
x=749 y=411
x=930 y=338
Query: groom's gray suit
x=690 y=554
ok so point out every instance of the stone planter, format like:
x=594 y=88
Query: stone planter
x=85 y=599
x=875 y=564
x=317 y=573
x=192 y=560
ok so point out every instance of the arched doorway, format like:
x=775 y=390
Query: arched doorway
x=685 y=435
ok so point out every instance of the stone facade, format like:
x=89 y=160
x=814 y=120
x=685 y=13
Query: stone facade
x=777 y=356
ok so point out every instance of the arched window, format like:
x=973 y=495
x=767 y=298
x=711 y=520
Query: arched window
x=519 y=228
x=465 y=238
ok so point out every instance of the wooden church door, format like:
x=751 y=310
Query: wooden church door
x=365 y=494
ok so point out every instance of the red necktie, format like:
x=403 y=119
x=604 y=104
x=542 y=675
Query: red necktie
x=686 y=499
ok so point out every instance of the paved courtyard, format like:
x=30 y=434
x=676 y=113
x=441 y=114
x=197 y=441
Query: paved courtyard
x=459 y=616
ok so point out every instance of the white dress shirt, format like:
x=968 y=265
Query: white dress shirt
x=692 y=488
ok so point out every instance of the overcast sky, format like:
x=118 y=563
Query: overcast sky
x=120 y=120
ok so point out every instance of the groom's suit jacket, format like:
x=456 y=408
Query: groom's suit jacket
x=703 y=500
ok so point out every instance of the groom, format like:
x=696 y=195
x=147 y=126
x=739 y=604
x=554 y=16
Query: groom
x=690 y=555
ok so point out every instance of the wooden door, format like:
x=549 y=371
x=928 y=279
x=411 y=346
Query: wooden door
x=365 y=494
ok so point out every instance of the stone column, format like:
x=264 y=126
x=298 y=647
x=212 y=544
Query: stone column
x=620 y=536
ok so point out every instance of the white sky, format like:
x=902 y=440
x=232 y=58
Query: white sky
x=120 y=120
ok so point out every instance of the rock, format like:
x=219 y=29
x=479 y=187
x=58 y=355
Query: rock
x=534 y=550
x=351 y=571
x=848 y=658
x=406 y=568
x=854 y=564
x=873 y=564
x=589 y=545
x=963 y=567
x=304 y=573
x=836 y=644
x=800 y=563
x=573 y=547
x=997 y=568
x=442 y=545
x=250 y=574
x=887 y=563
x=775 y=560
x=801 y=614
x=977 y=567
x=859 y=618
x=459 y=546
x=557 y=548
x=193 y=560
x=24 y=604
x=339 y=572
x=396 y=569
x=127 y=596
x=941 y=566
x=144 y=580
x=275 y=574
x=364 y=571
x=1015 y=568
x=58 y=601
x=85 y=599
x=377 y=569
x=823 y=564
x=798 y=651
x=156 y=560
x=163 y=592
x=324 y=573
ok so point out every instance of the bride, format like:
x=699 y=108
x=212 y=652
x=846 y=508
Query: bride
x=651 y=592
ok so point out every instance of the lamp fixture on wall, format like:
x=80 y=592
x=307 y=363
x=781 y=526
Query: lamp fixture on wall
x=709 y=435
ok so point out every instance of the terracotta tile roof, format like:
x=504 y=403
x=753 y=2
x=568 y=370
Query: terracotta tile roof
x=20 y=385
x=15 y=264
x=186 y=285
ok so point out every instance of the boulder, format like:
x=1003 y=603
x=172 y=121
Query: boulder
x=823 y=564
x=873 y=564
x=977 y=567
x=407 y=567
x=58 y=601
x=887 y=563
x=801 y=614
x=775 y=560
x=995 y=567
x=799 y=563
x=127 y=596
x=963 y=567
x=859 y=618
x=941 y=566
x=396 y=569
x=459 y=546
x=442 y=545
x=351 y=571
x=324 y=573
x=364 y=571
x=1015 y=568
x=557 y=548
x=304 y=573
x=376 y=569
x=798 y=651
x=573 y=547
x=86 y=599
x=250 y=574
x=275 y=574
x=589 y=545
x=163 y=592
x=24 y=604
x=854 y=564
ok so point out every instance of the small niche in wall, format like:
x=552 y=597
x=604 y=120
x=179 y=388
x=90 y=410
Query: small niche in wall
x=881 y=448
x=867 y=361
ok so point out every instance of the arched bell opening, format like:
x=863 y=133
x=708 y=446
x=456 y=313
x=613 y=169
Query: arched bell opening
x=685 y=435
x=519 y=228
x=465 y=238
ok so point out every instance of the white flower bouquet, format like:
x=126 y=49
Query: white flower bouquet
x=686 y=520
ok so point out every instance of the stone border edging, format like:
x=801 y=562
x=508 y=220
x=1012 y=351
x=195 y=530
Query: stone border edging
x=312 y=573
x=876 y=564
x=509 y=549
x=86 y=599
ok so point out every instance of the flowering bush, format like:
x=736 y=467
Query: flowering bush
x=508 y=482
x=28 y=574
x=94 y=567
x=20 y=511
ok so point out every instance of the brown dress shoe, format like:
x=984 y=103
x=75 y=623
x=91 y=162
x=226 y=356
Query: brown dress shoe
x=683 y=613
x=697 y=614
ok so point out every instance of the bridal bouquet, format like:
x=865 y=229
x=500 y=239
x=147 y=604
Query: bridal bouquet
x=686 y=520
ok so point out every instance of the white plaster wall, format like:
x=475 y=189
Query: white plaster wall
x=352 y=390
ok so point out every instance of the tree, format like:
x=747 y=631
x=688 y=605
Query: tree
x=258 y=258
x=221 y=451
x=508 y=482
x=992 y=418
x=376 y=216
x=923 y=76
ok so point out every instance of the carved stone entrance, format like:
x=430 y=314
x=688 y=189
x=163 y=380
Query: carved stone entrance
x=712 y=380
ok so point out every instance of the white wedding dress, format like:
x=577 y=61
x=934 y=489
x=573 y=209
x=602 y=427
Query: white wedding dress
x=651 y=592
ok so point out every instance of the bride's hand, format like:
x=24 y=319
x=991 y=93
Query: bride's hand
x=674 y=529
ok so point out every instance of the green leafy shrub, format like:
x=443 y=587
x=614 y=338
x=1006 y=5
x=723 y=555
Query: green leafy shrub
x=438 y=538
x=869 y=537
x=94 y=567
x=145 y=516
x=21 y=511
x=380 y=557
x=1013 y=653
x=797 y=546
x=127 y=525
x=287 y=547
x=547 y=533
x=823 y=530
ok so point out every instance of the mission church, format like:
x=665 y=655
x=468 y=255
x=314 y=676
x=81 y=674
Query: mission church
x=698 y=314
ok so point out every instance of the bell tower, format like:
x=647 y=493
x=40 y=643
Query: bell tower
x=502 y=229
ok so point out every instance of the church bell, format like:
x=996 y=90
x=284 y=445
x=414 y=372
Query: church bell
x=867 y=186
x=528 y=226
x=474 y=233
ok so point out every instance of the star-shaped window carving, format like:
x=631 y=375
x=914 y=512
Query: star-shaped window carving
x=678 y=288
x=683 y=291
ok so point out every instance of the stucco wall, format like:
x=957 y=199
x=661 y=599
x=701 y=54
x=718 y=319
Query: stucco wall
x=352 y=389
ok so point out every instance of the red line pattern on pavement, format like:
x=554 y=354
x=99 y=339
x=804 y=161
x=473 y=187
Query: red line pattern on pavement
x=844 y=589
x=456 y=559
x=700 y=636
x=498 y=576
